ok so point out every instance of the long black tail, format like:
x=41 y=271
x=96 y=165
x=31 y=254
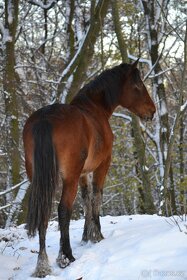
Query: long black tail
x=44 y=177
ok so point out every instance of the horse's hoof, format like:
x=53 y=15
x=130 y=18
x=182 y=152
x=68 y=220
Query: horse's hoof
x=93 y=239
x=42 y=272
x=64 y=261
x=94 y=235
x=42 y=268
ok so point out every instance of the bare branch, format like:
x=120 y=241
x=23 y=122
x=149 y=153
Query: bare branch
x=13 y=188
x=40 y=4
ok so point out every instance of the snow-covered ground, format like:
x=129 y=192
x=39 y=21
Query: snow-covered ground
x=135 y=247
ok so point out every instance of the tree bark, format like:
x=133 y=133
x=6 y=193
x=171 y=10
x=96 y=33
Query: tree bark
x=10 y=80
x=178 y=117
x=152 y=25
x=182 y=197
x=80 y=61
x=146 y=195
x=146 y=199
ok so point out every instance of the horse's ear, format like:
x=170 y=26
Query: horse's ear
x=134 y=64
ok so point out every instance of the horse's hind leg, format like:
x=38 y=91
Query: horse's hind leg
x=65 y=256
x=42 y=268
x=92 y=201
x=86 y=192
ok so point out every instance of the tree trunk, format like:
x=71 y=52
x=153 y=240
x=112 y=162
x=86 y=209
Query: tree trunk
x=151 y=10
x=179 y=115
x=10 y=94
x=182 y=195
x=146 y=199
x=146 y=195
x=79 y=63
x=10 y=80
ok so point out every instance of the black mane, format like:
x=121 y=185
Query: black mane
x=108 y=84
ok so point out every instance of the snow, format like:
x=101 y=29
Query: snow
x=67 y=69
x=13 y=188
x=135 y=247
x=161 y=188
x=67 y=88
x=163 y=108
x=17 y=201
x=143 y=60
x=183 y=107
x=145 y=168
x=10 y=12
x=78 y=27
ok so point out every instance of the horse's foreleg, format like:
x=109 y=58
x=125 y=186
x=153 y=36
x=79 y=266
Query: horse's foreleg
x=42 y=268
x=65 y=256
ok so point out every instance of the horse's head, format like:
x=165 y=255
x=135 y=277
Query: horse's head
x=134 y=95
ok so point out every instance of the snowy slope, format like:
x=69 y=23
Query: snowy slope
x=135 y=247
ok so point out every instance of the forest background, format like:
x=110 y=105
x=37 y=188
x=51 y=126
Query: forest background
x=50 y=48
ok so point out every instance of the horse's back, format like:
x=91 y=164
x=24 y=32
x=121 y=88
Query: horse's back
x=81 y=141
x=60 y=116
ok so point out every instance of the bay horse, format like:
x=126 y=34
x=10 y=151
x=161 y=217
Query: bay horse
x=67 y=142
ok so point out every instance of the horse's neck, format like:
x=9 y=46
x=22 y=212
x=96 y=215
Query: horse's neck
x=94 y=103
x=105 y=107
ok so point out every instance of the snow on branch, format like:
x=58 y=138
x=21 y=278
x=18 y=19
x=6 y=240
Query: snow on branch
x=179 y=114
x=152 y=68
x=111 y=198
x=183 y=107
x=67 y=69
x=10 y=12
x=2 y=29
x=5 y=206
x=13 y=188
x=161 y=73
x=5 y=34
x=123 y=116
x=16 y=205
x=84 y=46
x=144 y=60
